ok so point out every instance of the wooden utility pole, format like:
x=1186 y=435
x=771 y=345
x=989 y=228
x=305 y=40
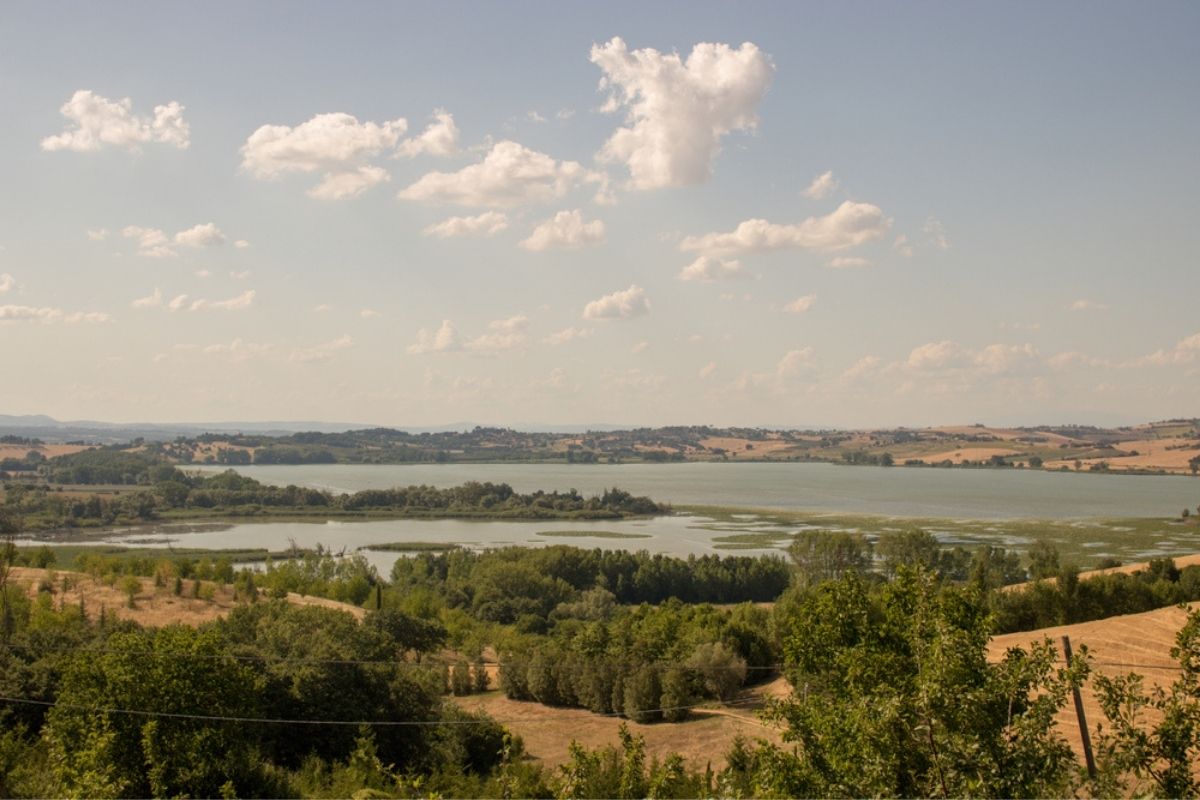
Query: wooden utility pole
x=1088 y=758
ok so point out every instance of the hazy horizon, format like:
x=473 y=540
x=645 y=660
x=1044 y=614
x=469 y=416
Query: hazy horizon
x=833 y=215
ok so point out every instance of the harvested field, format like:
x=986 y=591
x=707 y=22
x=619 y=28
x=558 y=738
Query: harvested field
x=47 y=450
x=154 y=606
x=759 y=447
x=703 y=739
x=1138 y=643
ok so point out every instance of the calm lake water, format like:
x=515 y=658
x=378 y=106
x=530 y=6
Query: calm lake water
x=965 y=495
x=895 y=491
x=675 y=535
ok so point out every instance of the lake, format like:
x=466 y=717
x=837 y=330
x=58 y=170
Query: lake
x=968 y=506
x=895 y=491
x=677 y=535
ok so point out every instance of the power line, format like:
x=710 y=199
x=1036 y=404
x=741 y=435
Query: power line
x=380 y=723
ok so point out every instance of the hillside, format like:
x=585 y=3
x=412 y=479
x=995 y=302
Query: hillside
x=1170 y=447
x=152 y=605
x=1138 y=643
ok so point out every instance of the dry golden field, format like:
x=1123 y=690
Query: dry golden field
x=1138 y=643
x=703 y=739
x=153 y=605
x=47 y=450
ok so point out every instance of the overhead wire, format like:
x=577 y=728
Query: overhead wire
x=382 y=723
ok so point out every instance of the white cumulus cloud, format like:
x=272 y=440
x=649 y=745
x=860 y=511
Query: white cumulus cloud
x=509 y=175
x=7 y=282
x=484 y=225
x=707 y=269
x=1087 y=305
x=677 y=111
x=181 y=302
x=152 y=300
x=848 y=262
x=151 y=242
x=935 y=234
x=850 y=225
x=443 y=340
x=440 y=138
x=794 y=363
x=567 y=335
x=155 y=243
x=800 y=304
x=238 y=350
x=337 y=146
x=822 y=186
x=47 y=315
x=993 y=359
x=566 y=230
x=323 y=351
x=96 y=122
x=625 y=304
x=503 y=334
x=862 y=368
x=205 y=235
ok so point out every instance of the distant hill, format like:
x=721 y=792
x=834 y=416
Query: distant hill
x=1171 y=446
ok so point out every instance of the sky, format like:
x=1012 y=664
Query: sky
x=773 y=214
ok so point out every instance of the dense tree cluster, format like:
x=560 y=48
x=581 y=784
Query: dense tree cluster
x=265 y=661
x=1065 y=598
x=648 y=663
x=508 y=584
x=165 y=490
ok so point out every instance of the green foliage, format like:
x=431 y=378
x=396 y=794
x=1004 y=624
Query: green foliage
x=624 y=773
x=505 y=583
x=825 y=555
x=917 y=548
x=1067 y=599
x=348 y=579
x=717 y=668
x=643 y=693
x=1154 y=741
x=896 y=698
x=111 y=465
x=130 y=586
x=100 y=753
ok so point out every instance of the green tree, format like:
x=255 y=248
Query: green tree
x=1043 y=560
x=720 y=670
x=99 y=751
x=643 y=693
x=828 y=555
x=1155 y=735
x=895 y=697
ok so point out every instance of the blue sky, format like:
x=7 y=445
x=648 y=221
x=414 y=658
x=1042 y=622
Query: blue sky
x=1006 y=230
